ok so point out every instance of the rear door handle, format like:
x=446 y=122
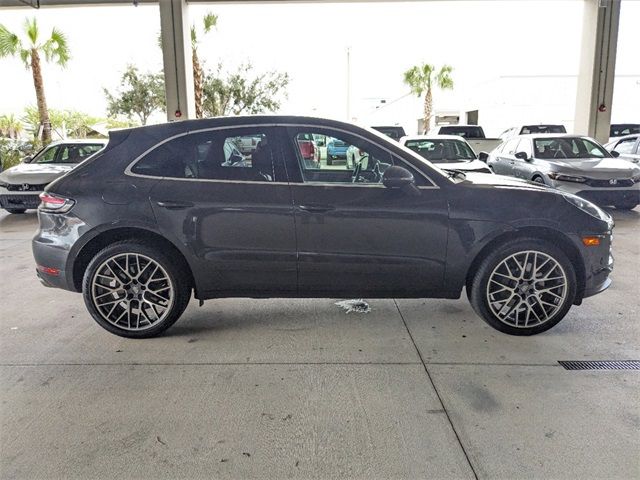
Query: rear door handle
x=170 y=205
x=312 y=208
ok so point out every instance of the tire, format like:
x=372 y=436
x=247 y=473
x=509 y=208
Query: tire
x=103 y=280
x=329 y=160
x=533 y=308
x=538 y=179
x=626 y=206
x=16 y=211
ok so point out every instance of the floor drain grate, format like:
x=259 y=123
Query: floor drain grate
x=600 y=364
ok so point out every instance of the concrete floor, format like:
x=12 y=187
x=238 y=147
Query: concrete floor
x=273 y=389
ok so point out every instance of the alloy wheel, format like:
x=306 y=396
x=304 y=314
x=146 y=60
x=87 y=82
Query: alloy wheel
x=132 y=291
x=527 y=289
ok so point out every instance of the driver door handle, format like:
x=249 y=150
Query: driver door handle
x=169 y=205
x=316 y=208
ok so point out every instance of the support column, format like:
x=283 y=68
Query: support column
x=597 y=68
x=176 y=53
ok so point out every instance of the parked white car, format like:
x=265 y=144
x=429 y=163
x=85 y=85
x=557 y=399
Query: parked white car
x=20 y=186
x=449 y=152
x=627 y=147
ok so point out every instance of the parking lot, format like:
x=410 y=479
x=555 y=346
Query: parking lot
x=281 y=388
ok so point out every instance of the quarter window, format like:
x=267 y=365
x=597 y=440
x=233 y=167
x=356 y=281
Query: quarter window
x=242 y=155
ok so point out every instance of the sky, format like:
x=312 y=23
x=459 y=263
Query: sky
x=481 y=40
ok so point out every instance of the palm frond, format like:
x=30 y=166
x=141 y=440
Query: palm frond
x=25 y=56
x=444 y=78
x=57 y=48
x=194 y=37
x=210 y=21
x=10 y=44
x=414 y=78
x=31 y=29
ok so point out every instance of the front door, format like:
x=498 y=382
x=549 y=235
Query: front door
x=357 y=237
x=224 y=197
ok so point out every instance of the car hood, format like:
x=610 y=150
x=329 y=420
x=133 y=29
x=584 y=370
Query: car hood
x=470 y=166
x=35 y=173
x=596 y=167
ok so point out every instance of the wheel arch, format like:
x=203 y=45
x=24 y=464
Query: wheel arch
x=550 y=235
x=107 y=237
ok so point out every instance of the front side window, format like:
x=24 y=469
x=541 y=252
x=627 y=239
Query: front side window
x=625 y=146
x=344 y=159
x=510 y=146
x=524 y=146
x=567 y=148
x=241 y=155
x=442 y=150
x=48 y=155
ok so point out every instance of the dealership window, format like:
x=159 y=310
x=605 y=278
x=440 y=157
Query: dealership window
x=241 y=155
x=342 y=159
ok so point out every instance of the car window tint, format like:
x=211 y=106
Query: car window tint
x=441 y=150
x=229 y=155
x=77 y=153
x=342 y=160
x=625 y=146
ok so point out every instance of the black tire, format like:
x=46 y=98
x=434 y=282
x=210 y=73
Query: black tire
x=329 y=160
x=16 y=211
x=478 y=295
x=179 y=283
x=539 y=179
x=626 y=206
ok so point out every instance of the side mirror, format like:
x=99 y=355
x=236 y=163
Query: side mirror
x=614 y=154
x=522 y=156
x=483 y=157
x=400 y=178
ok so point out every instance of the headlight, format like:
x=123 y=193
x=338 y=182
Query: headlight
x=587 y=207
x=566 y=178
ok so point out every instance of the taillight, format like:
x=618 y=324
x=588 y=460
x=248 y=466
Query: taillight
x=51 y=203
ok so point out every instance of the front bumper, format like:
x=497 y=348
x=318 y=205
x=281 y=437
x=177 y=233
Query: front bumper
x=18 y=199
x=598 y=265
x=601 y=196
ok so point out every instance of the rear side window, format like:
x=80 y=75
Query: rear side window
x=241 y=155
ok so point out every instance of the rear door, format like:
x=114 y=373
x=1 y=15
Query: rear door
x=231 y=210
x=356 y=236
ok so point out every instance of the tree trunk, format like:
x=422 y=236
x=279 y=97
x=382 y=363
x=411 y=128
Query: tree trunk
x=198 y=83
x=43 y=112
x=428 y=108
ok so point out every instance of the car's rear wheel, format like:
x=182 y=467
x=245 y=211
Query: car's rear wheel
x=16 y=210
x=524 y=287
x=134 y=290
x=538 y=179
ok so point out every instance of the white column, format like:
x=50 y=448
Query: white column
x=176 y=52
x=597 y=68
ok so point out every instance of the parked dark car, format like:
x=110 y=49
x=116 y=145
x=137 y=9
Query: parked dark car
x=572 y=163
x=621 y=129
x=392 y=131
x=158 y=215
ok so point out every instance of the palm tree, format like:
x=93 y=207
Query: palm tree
x=29 y=49
x=210 y=21
x=421 y=79
x=10 y=126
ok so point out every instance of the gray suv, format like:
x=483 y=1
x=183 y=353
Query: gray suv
x=571 y=163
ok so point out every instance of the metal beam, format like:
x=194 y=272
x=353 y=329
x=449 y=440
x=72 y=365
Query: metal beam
x=597 y=68
x=176 y=52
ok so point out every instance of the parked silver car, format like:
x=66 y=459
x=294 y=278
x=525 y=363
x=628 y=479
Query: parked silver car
x=572 y=163
x=627 y=147
x=20 y=186
x=449 y=152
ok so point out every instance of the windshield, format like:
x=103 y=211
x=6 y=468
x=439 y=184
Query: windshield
x=462 y=131
x=543 y=129
x=567 y=148
x=620 y=130
x=66 y=153
x=442 y=151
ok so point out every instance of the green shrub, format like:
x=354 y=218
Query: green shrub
x=13 y=151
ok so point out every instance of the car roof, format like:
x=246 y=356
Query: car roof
x=432 y=137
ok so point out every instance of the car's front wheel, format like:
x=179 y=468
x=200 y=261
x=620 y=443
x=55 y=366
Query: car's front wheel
x=524 y=287
x=134 y=290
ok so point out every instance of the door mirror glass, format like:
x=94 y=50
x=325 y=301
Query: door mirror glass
x=400 y=178
x=615 y=154
x=483 y=156
x=522 y=156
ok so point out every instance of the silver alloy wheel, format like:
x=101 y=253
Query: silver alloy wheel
x=132 y=291
x=527 y=289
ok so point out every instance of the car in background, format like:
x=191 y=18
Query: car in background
x=336 y=150
x=572 y=163
x=527 y=129
x=627 y=147
x=621 y=129
x=308 y=149
x=138 y=232
x=392 y=131
x=473 y=134
x=448 y=152
x=21 y=185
